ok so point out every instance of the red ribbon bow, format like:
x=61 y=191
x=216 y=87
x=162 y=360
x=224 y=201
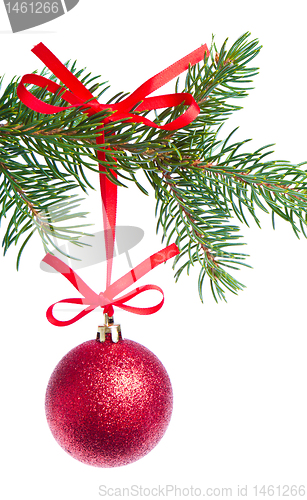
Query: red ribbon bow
x=79 y=95
x=106 y=299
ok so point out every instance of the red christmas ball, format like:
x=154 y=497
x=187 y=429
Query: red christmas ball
x=108 y=404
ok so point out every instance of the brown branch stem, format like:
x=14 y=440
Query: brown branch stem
x=241 y=179
x=13 y=130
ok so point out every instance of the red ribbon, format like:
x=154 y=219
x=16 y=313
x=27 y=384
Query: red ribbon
x=106 y=299
x=79 y=95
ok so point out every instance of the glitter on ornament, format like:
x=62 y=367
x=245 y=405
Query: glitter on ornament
x=109 y=403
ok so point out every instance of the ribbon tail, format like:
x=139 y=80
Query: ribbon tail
x=63 y=73
x=165 y=76
x=73 y=278
x=139 y=271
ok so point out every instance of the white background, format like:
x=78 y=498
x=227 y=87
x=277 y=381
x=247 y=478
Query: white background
x=239 y=369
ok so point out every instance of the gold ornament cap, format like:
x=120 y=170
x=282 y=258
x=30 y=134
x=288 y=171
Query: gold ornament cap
x=109 y=331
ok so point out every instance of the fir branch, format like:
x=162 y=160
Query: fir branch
x=201 y=183
x=32 y=203
x=201 y=224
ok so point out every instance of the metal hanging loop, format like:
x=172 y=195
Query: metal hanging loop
x=109 y=330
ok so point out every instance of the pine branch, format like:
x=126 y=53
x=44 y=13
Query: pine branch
x=203 y=230
x=202 y=183
x=34 y=203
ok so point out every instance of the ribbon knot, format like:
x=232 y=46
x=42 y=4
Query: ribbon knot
x=102 y=299
x=79 y=95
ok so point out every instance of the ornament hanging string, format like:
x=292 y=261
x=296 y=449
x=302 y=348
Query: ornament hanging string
x=79 y=95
